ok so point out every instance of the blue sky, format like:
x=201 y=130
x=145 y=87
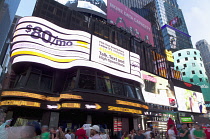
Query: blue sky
x=196 y=13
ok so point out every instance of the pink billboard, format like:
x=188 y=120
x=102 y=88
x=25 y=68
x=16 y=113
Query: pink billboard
x=123 y=17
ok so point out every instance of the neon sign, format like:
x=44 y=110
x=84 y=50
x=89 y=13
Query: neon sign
x=38 y=96
x=19 y=103
x=131 y=104
x=127 y=110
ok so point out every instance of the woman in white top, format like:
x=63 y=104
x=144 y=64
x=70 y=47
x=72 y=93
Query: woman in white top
x=171 y=132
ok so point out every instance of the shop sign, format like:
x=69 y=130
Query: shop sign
x=169 y=55
x=127 y=110
x=131 y=104
x=96 y=106
x=186 y=119
x=19 y=103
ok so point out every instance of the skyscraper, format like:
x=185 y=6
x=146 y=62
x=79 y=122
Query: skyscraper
x=8 y=9
x=204 y=48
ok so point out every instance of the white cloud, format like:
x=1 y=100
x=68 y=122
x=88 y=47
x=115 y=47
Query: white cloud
x=197 y=18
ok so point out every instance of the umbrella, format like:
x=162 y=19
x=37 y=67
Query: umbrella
x=171 y=122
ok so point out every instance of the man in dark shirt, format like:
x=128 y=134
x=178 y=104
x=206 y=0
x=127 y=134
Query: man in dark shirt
x=184 y=132
x=139 y=135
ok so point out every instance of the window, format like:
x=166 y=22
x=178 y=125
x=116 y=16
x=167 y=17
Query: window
x=183 y=73
x=193 y=64
x=188 y=52
x=201 y=64
x=104 y=85
x=130 y=91
x=186 y=58
x=177 y=68
x=118 y=88
x=195 y=58
x=200 y=71
x=87 y=82
x=179 y=54
x=70 y=81
x=201 y=80
x=201 y=59
x=191 y=80
x=195 y=52
x=139 y=94
x=185 y=65
x=178 y=60
x=193 y=72
x=40 y=80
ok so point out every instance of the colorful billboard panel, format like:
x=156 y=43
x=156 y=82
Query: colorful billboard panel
x=190 y=101
x=158 y=90
x=123 y=17
x=97 y=7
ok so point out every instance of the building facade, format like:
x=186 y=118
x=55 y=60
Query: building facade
x=204 y=49
x=190 y=63
x=72 y=66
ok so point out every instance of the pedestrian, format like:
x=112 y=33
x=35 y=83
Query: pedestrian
x=191 y=128
x=81 y=133
x=52 y=133
x=157 y=133
x=139 y=135
x=125 y=135
x=95 y=132
x=198 y=132
x=45 y=134
x=184 y=132
x=73 y=134
x=171 y=132
x=68 y=136
x=60 y=134
x=147 y=133
x=152 y=135
x=103 y=134
x=207 y=131
x=132 y=134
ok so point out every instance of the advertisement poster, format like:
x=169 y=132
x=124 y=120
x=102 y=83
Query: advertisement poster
x=123 y=17
x=135 y=64
x=97 y=7
x=190 y=101
x=157 y=90
x=110 y=54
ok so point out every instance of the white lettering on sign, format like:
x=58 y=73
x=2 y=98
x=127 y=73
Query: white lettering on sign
x=96 y=106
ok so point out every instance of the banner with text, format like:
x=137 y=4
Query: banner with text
x=110 y=54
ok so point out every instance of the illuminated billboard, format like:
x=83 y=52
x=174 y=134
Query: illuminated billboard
x=123 y=17
x=97 y=7
x=39 y=41
x=157 y=90
x=190 y=101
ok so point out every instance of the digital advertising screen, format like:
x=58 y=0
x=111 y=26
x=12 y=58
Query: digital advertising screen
x=123 y=17
x=37 y=40
x=158 y=90
x=97 y=7
x=190 y=101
